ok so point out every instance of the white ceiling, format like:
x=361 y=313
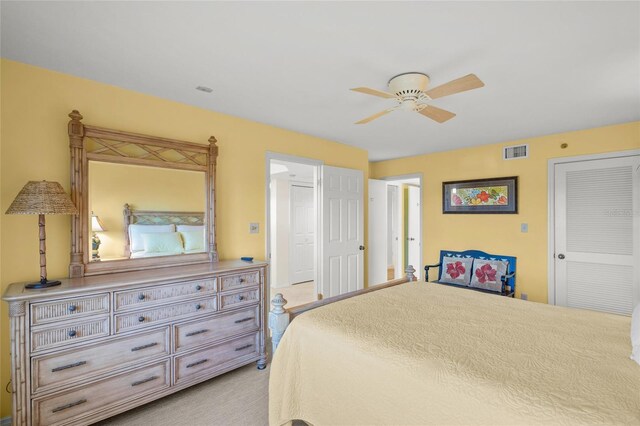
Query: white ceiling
x=294 y=171
x=548 y=66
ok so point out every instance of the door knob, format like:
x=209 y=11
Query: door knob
x=361 y=247
x=561 y=256
x=411 y=239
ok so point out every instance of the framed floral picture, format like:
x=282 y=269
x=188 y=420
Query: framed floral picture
x=495 y=195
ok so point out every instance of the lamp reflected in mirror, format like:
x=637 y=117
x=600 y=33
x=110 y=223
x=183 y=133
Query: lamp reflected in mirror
x=96 y=226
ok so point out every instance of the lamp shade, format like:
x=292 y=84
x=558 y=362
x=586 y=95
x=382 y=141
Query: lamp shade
x=96 y=224
x=42 y=197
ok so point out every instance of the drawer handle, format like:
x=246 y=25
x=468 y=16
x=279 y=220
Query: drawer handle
x=198 y=307
x=242 y=280
x=64 y=367
x=72 y=404
x=243 y=320
x=193 y=364
x=148 y=345
x=140 y=319
x=141 y=297
x=193 y=333
x=72 y=308
x=243 y=347
x=241 y=297
x=148 y=379
x=198 y=287
x=72 y=333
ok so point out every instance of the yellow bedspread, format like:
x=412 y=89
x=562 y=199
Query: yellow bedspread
x=419 y=354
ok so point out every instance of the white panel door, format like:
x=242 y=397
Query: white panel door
x=597 y=234
x=342 y=231
x=413 y=229
x=303 y=235
x=378 y=230
x=394 y=243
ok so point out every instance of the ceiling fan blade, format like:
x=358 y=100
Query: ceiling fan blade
x=374 y=116
x=374 y=92
x=436 y=114
x=462 y=84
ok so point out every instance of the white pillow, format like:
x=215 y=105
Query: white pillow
x=162 y=242
x=183 y=228
x=136 y=231
x=193 y=240
x=635 y=334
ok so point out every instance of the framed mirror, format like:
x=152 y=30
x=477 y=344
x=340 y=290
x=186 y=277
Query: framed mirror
x=145 y=202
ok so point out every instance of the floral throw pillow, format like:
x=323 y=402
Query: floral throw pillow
x=487 y=274
x=456 y=270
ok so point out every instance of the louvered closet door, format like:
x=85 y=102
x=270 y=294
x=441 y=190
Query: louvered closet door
x=597 y=228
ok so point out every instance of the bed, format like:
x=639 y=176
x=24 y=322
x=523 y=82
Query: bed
x=152 y=233
x=419 y=353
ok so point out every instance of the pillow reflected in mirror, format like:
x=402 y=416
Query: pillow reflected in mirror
x=162 y=242
x=193 y=240
x=136 y=231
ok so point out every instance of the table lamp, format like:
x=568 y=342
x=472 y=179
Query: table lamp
x=96 y=226
x=42 y=198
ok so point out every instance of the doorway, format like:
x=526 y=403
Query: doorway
x=293 y=226
x=395 y=227
x=595 y=232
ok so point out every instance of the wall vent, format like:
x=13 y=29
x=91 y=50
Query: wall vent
x=515 y=152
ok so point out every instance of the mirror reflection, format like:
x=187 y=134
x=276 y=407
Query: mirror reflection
x=139 y=211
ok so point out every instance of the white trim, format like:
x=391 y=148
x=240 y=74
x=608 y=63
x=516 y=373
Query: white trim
x=5 y=421
x=317 y=164
x=551 y=180
x=419 y=176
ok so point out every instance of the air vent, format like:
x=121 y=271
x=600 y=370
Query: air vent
x=515 y=152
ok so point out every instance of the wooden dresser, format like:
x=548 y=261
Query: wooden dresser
x=97 y=346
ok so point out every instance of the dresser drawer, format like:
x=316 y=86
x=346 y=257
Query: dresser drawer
x=234 y=300
x=202 y=332
x=237 y=281
x=69 y=366
x=75 y=404
x=51 y=337
x=64 y=309
x=170 y=312
x=189 y=367
x=147 y=295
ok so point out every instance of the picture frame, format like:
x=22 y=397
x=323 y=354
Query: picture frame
x=481 y=196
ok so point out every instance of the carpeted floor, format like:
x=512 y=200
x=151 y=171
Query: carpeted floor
x=239 y=397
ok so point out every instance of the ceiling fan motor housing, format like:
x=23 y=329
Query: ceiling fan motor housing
x=409 y=84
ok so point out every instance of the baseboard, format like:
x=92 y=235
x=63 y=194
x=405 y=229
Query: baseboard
x=5 y=421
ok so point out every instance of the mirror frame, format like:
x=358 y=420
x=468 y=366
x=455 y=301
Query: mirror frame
x=196 y=157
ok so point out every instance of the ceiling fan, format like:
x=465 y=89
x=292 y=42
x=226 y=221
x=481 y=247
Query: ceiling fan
x=409 y=89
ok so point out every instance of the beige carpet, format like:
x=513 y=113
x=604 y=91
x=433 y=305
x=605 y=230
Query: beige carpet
x=239 y=397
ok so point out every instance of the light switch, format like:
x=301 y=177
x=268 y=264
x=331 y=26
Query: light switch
x=524 y=227
x=254 y=228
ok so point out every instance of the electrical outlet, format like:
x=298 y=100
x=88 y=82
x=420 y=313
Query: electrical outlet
x=254 y=228
x=524 y=296
x=524 y=227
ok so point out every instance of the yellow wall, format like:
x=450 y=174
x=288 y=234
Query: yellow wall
x=143 y=188
x=35 y=103
x=501 y=233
